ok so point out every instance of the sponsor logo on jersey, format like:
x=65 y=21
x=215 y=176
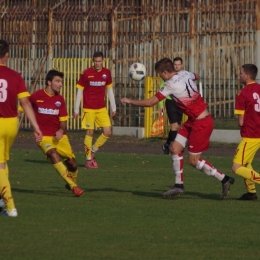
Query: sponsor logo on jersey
x=104 y=76
x=90 y=77
x=48 y=111
x=47 y=146
x=97 y=83
x=39 y=101
x=58 y=104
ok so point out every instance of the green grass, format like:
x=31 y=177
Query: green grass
x=122 y=214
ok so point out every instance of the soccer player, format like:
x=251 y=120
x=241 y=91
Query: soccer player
x=12 y=87
x=197 y=129
x=174 y=113
x=51 y=114
x=93 y=83
x=247 y=108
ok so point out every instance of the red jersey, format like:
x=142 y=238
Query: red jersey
x=12 y=86
x=94 y=84
x=49 y=110
x=248 y=104
x=184 y=91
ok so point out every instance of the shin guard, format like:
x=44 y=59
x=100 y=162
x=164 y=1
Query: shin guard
x=177 y=164
x=209 y=169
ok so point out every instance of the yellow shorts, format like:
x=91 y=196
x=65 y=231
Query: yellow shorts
x=62 y=146
x=246 y=150
x=8 y=133
x=95 y=117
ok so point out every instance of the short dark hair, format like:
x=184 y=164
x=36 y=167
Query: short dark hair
x=251 y=70
x=98 y=54
x=4 y=48
x=51 y=74
x=177 y=58
x=164 y=64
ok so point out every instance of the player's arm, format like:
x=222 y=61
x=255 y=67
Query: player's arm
x=27 y=108
x=111 y=97
x=63 y=118
x=161 y=106
x=78 y=100
x=196 y=76
x=161 y=103
x=60 y=132
x=240 y=107
x=240 y=120
x=142 y=103
x=80 y=88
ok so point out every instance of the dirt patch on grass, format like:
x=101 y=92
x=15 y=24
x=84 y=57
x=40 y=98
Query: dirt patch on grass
x=123 y=144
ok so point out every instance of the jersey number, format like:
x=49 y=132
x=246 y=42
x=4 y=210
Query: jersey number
x=3 y=92
x=257 y=105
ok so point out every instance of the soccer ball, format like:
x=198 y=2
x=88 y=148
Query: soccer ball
x=137 y=71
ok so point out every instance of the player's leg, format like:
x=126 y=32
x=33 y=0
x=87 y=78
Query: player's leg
x=198 y=142
x=72 y=168
x=102 y=139
x=49 y=146
x=176 y=149
x=8 y=133
x=54 y=157
x=207 y=168
x=73 y=172
x=174 y=115
x=243 y=158
x=250 y=187
x=102 y=120
x=64 y=149
x=88 y=123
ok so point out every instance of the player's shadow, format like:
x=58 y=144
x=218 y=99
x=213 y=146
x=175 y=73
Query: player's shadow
x=57 y=192
x=212 y=196
x=137 y=193
x=37 y=161
x=158 y=194
x=60 y=191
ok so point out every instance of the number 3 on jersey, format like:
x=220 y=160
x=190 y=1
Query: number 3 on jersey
x=3 y=92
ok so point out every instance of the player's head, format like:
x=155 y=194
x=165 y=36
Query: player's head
x=54 y=81
x=178 y=64
x=163 y=67
x=248 y=73
x=4 y=48
x=98 y=60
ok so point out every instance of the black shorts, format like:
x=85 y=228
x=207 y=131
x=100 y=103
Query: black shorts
x=173 y=112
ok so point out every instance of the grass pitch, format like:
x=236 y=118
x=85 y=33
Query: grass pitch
x=122 y=214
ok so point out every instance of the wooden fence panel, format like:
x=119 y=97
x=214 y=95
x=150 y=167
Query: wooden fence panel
x=214 y=38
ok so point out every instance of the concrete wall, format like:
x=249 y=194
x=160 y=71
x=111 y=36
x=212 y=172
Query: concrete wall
x=132 y=131
x=225 y=136
x=222 y=136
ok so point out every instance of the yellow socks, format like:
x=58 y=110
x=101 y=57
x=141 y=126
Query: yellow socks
x=88 y=146
x=5 y=189
x=250 y=185
x=74 y=175
x=62 y=170
x=100 y=141
x=248 y=173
